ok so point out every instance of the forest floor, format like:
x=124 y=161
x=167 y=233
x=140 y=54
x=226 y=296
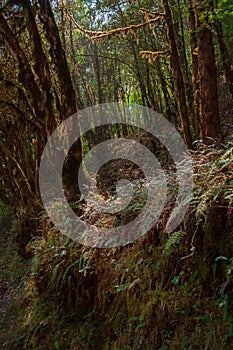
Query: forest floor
x=151 y=299
x=12 y=272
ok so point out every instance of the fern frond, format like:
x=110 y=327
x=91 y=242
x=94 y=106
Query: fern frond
x=173 y=241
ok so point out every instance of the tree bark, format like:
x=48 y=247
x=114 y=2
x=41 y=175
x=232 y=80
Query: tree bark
x=226 y=62
x=67 y=93
x=209 y=117
x=177 y=72
x=195 y=76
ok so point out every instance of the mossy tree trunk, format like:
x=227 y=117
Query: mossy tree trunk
x=38 y=95
x=194 y=64
x=177 y=72
x=207 y=73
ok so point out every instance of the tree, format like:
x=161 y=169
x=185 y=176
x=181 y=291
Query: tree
x=177 y=72
x=207 y=74
x=40 y=96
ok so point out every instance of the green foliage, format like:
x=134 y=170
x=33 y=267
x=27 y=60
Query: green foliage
x=217 y=184
x=173 y=241
x=3 y=209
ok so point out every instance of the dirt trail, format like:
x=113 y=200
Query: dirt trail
x=9 y=319
x=12 y=272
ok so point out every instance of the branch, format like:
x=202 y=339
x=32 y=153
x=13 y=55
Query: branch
x=109 y=58
x=19 y=55
x=29 y=189
x=152 y=56
x=126 y=30
x=24 y=99
x=20 y=112
x=143 y=10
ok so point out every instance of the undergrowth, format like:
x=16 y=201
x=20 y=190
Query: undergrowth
x=160 y=292
x=14 y=273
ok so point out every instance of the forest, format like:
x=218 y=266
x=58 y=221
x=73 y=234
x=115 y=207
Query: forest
x=116 y=174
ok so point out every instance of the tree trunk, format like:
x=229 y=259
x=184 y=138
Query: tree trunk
x=98 y=74
x=195 y=77
x=209 y=117
x=228 y=72
x=67 y=93
x=39 y=87
x=180 y=33
x=178 y=76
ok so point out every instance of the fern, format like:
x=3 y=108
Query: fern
x=216 y=183
x=173 y=241
x=228 y=272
